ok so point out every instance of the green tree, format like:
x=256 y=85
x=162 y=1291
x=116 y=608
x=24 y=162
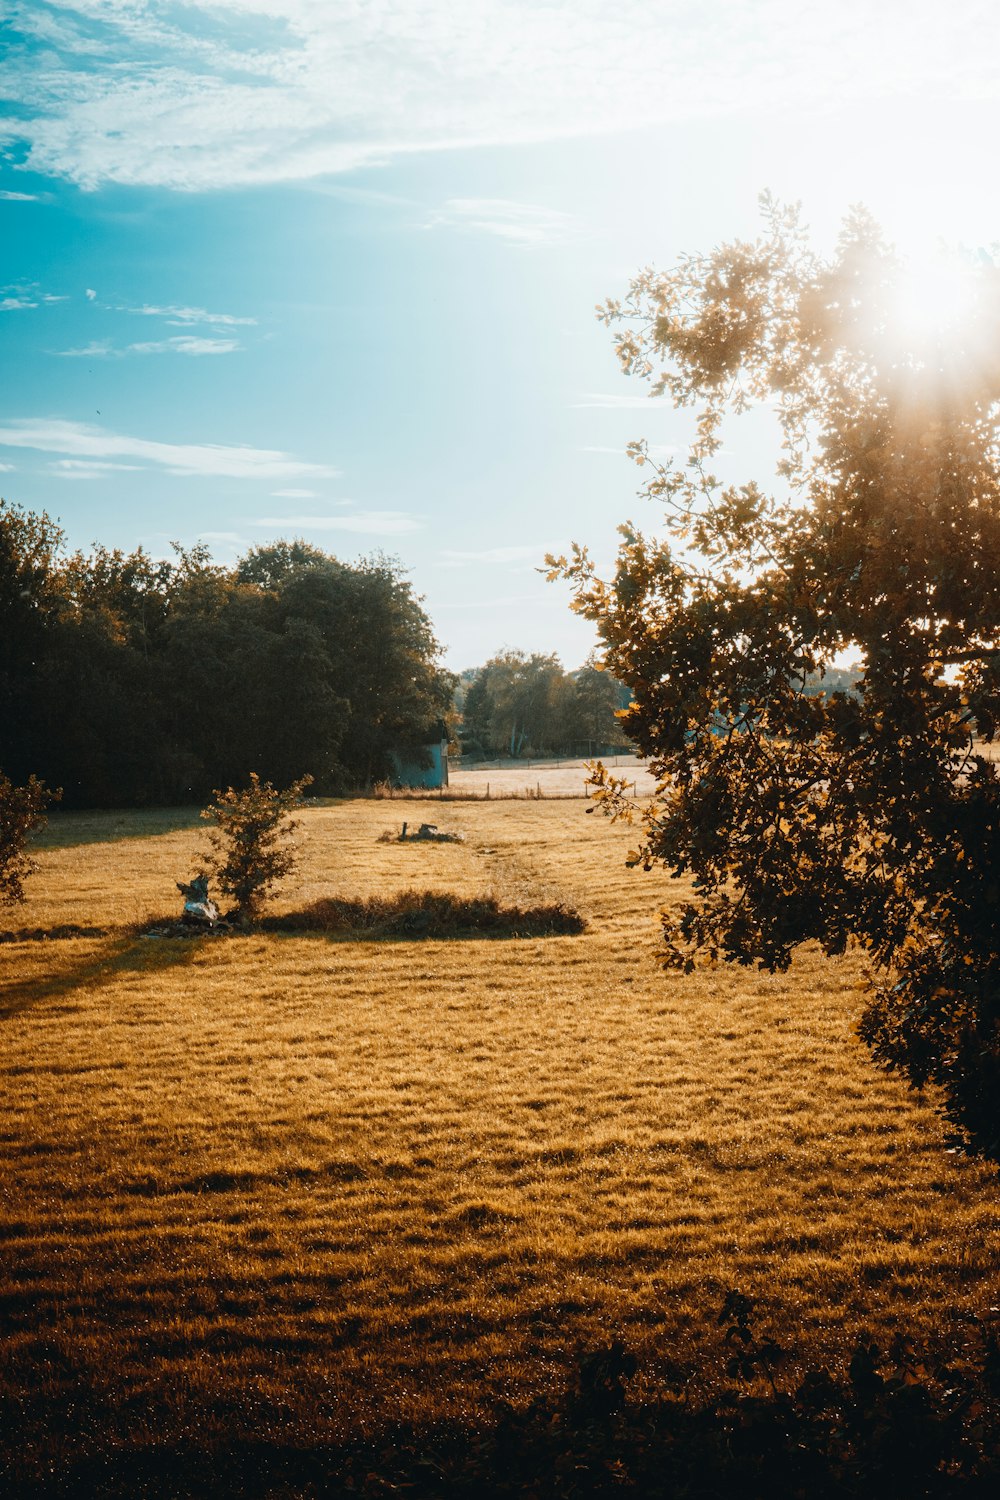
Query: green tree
x=598 y=700
x=382 y=657
x=29 y=602
x=253 y=841
x=518 y=705
x=127 y=680
x=870 y=816
x=22 y=810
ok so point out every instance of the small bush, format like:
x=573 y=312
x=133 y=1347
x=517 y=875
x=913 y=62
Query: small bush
x=253 y=841
x=22 y=810
x=428 y=914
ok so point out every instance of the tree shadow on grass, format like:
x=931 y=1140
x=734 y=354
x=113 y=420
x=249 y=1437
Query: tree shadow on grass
x=426 y=914
x=121 y=951
x=69 y=830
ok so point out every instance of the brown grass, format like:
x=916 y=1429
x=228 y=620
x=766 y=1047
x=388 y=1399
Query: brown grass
x=532 y=780
x=294 y=1188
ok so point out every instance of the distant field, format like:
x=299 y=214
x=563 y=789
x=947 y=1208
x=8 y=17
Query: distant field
x=564 y=778
x=299 y=1188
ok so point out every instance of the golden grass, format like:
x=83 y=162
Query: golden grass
x=278 y=1184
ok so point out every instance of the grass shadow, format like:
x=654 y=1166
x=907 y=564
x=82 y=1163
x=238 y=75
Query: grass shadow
x=426 y=914
x=122 y=952
x=69 y=830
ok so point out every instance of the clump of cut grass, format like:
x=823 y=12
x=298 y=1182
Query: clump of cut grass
x=428 y=914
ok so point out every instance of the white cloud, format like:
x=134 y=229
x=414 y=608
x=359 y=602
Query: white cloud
x=520 y=223
x=7 y=468
x=295 y=494
x=505 y=602
x=96 y=349
x=659 y=452
x=26 y=294
x=81 y=440
x=91 y=294
x=87 y=468
x=184 y=317
x=364 y=522
x=9 y=197
x=181 y=344
x=186 y=344
x=217 y=92
x=514 y=553
x=597 y=401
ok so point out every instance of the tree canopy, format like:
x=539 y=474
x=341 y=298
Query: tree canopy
x=516 y=704
x=128 y=680
x=870 y=815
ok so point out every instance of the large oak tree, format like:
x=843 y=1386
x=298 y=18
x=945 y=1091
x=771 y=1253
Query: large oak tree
x=870 y=816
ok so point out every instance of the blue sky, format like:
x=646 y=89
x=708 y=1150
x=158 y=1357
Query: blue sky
x=328 y=269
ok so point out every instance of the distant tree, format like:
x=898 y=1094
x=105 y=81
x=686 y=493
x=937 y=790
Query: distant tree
x=599 y=700
x=382 y=655
x=871 y=815
x=269 y=566
x=253 y=845
x=519 y=704
x=22 y=810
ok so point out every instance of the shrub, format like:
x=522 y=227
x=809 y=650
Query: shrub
x=253 y=841
x=21 y=811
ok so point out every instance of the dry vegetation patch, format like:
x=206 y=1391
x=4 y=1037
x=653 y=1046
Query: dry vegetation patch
x=293 y=1190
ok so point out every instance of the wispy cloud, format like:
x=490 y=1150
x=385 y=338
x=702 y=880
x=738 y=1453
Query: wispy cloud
x=96 y=349
x=90 y=468
x=185 y=317
x=657 y=451
x=6 y=468
x=597 y=401
x=82 y=440
x=188 y=344
x=363 y=522
x=506 y=601
x=513 y=553
x=26 y=294
x=9 y=197
x=295 y=494
x=250 y=91
x=519 y=223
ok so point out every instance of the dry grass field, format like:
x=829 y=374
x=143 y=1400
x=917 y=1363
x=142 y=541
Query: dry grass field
x=564 y=778
x=297 y=1188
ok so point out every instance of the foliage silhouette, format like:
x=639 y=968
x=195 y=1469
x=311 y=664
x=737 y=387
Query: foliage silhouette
x=871 y=815
x=130 y=681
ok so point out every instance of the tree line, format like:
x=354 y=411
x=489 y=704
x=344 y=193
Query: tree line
x=126 y=680
x=518 y=704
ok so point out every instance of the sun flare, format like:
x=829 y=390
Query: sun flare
x=934 y=301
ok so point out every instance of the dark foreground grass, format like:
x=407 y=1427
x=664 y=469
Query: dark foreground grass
x=887 y=1425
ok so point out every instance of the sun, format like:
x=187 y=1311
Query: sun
x=934 y=304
